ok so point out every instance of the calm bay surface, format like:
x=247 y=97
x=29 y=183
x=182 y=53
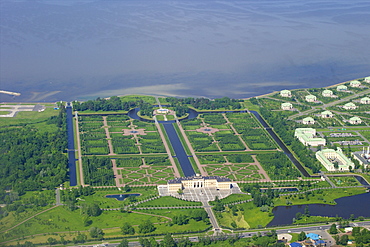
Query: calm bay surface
x=65 y=50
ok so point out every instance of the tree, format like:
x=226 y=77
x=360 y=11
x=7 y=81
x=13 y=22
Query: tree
x=168 y=241
x=343 y=240
x=302 y=236
x=298 y=215
x=146 y=227
x=96 y=232
x=184 y=242
x=91 y=209
x=127 y=229
x=333 y=229
x=219 y=207
x=127 y=188
x=124 y=243
x=153 y=242
x=144 y=242
x=87 y=221
x=307 y=212
x=52 y=241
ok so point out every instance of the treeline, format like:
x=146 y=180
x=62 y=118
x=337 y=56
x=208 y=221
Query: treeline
x=206 y=104
x=98 y=171
x=286 y=133
x=32 y=160
x=261 y=199
x=277 y=165
x=114 y=103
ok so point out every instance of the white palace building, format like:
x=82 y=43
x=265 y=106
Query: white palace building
x=328 y=157
x=307 y=137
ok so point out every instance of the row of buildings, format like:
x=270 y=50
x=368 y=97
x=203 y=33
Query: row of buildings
x=327 y=92
x=331 y=159
x=347 y=106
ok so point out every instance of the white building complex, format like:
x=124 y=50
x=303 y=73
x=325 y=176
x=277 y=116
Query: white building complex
x=285 y=93
x=355 y=83
x=326 y=114
x=307 y=137
x=162 y=111
x=286 y=106
x=349 y=106
x=308 y=120
x=341 y=88
x=310 y=98
x=365 y=100
x=214 y=182
x=327 y=93
x=355 y=120
x=367 y=79
x=330 y=157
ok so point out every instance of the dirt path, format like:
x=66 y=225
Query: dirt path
x=236 y=133
x=82 y=182
x=107 y=134
x=116 y=175
x=153 y=215
x=260 y=170
x=168 y=150
x=29 y=219
x=202 y=172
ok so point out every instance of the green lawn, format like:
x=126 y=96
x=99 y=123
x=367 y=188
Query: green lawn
x=168 y=201
x=34 y=118
x=328 y=196
x=99 y=196
x=62 y=220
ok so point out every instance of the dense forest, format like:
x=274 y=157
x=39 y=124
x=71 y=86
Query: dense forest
x=32 y=160
x=114 y=103
x=206 y=104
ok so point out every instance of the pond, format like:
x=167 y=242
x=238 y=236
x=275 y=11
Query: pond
x=359 y=205
x=121 y=197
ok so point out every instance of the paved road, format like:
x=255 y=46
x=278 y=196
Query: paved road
x=320 y=229
x=211 y=216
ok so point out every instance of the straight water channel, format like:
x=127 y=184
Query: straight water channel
x=281 y=144
x=179 y=150
x=71 y=147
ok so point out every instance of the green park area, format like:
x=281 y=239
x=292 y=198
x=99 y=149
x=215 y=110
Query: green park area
x=125 y=156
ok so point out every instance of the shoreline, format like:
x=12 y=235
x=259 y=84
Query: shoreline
x=164 y=96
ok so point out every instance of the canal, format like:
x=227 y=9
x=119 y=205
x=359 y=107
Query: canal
x=281 y=144
x=71 y=147
x=178 y=147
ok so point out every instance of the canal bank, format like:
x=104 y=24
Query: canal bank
x=174 y=139
x=281 y=145
x=71 y=147
x=179 y=150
